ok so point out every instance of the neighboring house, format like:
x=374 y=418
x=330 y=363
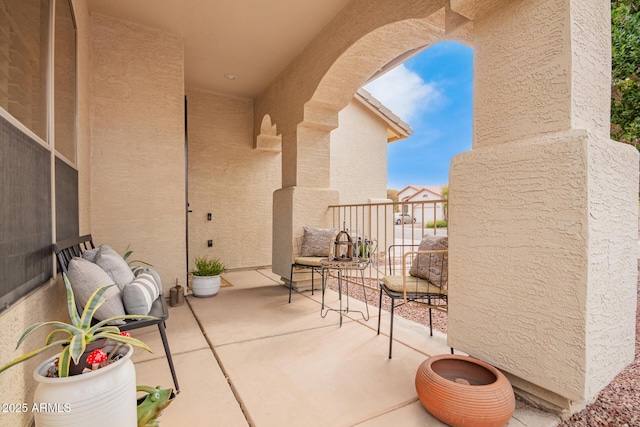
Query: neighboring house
x=359 y=148
x=423 y=213
x=359 y=156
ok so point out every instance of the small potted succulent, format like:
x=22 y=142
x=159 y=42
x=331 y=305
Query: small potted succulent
x=60 y=387
x=206 y=276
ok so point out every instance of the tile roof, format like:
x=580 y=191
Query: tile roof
x=402 y=128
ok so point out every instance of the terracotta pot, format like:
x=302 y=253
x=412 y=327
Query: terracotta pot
x=464 y=392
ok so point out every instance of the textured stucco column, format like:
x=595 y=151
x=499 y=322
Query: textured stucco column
x=293 y=208
x=543 y=209
x=305 y=195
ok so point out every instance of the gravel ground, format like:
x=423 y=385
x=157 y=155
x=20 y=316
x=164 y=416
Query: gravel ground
x=618 y=405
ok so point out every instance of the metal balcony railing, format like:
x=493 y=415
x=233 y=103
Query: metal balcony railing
x=397 y=224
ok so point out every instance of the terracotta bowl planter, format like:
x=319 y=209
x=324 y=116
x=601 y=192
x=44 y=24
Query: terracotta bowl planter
x=464 y=392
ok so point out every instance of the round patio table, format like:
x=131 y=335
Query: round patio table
x=344 y=265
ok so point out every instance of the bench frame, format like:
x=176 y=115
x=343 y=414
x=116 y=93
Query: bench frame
x=66 y=250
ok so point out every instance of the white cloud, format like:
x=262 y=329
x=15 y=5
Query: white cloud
x=404 y=92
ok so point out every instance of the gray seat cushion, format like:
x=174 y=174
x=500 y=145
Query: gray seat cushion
x=413 y=285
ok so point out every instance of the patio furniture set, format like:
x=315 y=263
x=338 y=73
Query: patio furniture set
x=421 y=279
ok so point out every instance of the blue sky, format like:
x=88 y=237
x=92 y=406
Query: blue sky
x=433 y=93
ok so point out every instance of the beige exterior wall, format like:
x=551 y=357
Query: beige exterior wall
x=230 y=179
x=359 y=170
x=137 y=137
x=543 y=270
x=613 y=252
x=46 y=303
x=359 y=155
x=536 y=260
x=562 y=79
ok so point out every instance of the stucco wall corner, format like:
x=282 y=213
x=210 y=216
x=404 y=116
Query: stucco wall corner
x=613 y=234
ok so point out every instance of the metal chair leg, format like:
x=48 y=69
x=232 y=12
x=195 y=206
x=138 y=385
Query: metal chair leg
x=290 y=283
x=430 y=324
x=379 y=310
x=391 y=329
x=313 y=270
x=167 y=352
x=364 y=291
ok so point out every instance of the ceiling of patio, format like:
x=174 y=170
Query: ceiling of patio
x=253 y=40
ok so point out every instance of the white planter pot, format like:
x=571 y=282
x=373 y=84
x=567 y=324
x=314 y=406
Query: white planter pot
x=205 y=286
x=102 y=398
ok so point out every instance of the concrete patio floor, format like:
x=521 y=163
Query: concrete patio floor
x=248 y=358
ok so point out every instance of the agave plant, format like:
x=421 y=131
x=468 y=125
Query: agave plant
x=75 y=336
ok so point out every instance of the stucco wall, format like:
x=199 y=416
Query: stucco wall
x=533 y=96
x=613 y=253
x=538 y=257
x=359 y=155
x=591 y=66
x=230 y=179
x=18 y=385
x=137 y=137
x=531 y=268
x=546 y=67
x=521 y=253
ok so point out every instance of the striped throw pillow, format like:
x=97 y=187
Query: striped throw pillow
x=139 y=295
x=137 y=270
